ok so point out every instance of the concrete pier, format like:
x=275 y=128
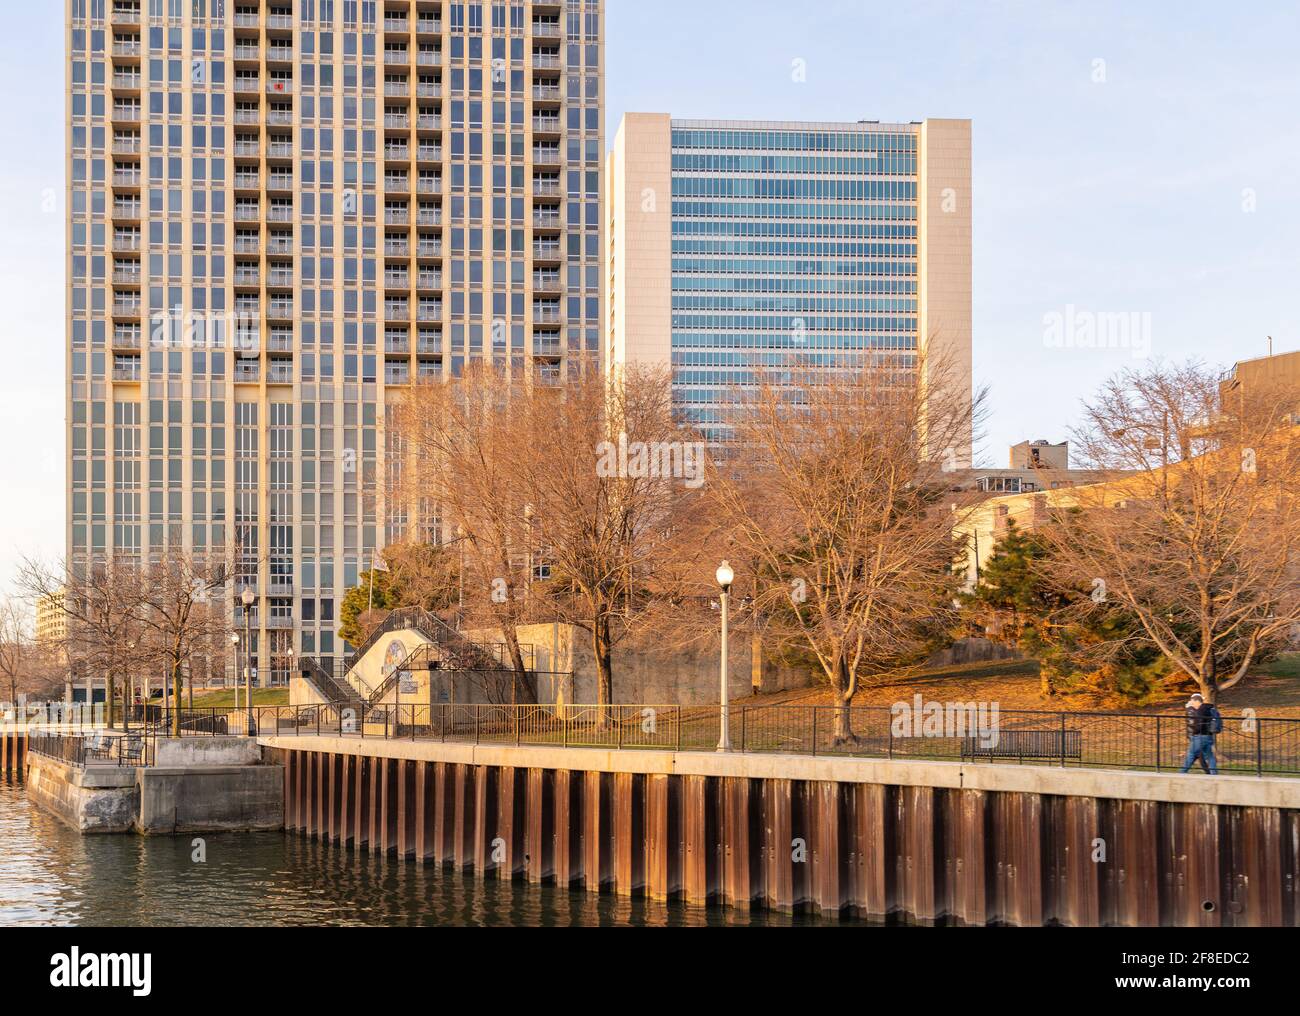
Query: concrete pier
x=199 y=785
x=914 y=842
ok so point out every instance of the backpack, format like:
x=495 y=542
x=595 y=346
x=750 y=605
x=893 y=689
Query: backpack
x=1216 y=721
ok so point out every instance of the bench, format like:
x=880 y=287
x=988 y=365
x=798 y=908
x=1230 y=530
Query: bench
x=99 y=748
x=131 y=752
x=1027 y=744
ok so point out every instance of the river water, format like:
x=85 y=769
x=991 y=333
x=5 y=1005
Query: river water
x=51 y=875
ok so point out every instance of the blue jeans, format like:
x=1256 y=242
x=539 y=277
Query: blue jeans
x=1202 y=747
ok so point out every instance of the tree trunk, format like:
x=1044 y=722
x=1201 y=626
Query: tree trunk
x=176 y=698
x=600 y=648
x=110 y=694
x=842 y=717
x=524 y=682
x=1045 y=686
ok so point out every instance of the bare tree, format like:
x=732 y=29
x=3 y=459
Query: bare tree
x=16 y=648
x=839 y=515
x=101 y=604
x=1200 y=542
x=460 y=446
x=185 y=616
x=611 y=476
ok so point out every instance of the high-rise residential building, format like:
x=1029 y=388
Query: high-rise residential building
x=736 y=245
x=280 y=214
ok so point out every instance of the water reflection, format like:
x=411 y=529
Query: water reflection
x=50 y=875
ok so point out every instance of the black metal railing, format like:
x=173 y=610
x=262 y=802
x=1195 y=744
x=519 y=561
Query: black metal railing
x=1259 y=746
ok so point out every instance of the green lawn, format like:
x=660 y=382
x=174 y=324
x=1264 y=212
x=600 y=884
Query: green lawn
x=226 y=699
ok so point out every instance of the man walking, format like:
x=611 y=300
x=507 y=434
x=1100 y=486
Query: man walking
x=1202 y=724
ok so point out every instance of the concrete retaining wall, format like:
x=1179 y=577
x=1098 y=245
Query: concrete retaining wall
x=206 y=752
x=215 y=799
x=91 y=801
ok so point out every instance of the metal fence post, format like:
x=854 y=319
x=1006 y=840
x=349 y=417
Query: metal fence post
x=1157 y=744
x=814 y=732
x=679 y=728
x=1063 y=740
x=1259 y=747
x=744 y=718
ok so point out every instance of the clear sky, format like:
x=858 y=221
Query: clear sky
x=1128 y=158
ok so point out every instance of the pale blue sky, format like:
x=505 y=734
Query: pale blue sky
x=1126 y=195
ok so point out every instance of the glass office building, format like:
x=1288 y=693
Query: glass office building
x=738 y=246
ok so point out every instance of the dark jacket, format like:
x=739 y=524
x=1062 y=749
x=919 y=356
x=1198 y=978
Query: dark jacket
x=1200 y=721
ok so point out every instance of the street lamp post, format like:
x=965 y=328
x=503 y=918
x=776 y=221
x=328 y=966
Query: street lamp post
x=234 y=644
x=248 y=597
x=725 y=576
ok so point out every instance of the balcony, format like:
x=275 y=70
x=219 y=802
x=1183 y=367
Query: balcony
x=547 y=282
x=546 y=187
x=279 y=181
x=396 y=88
x=248 y=149
x=546 y=156
x=399 y=344
x=247 y=213
x=428 y=153
x=280 y=22
x=246 y=180
x=279 y=86
x=547 y=314
x=428 y=280
x=546 y=29
x=546 y=125
x=126 y=338
x=280 y=213
x=428 y=58
x=247 y=51
x=280 y=278
x=126 y=114
x=547 y=251
x=247 y=83
x=397 y=374
x=128 y=242
x=544 y=220
x=428 y=90
x=126 y=146
x=428 y=26
x=126 y=47
x=428 y=184
x=397 y=56
x=547 y=93
x=280 y=243
x=126 y=15
x=280 y=309
x=280 y=118
x=397 y=216
x=397 y=248
x=397 y=121
x=279 y=54
x=397 y=153
x=547 y=61
x=129 y=82
x=280 y=150
x=248 y=116
x=397 y=183
x=247 y=19
x=428 y=122
x=127 y=274
x=279 y=372
x=427 y=248
x=429 y=311
x=123 y=307
x=398 y=24
x=248 y=372
x=126 y=178
x=280 y=342
x=126 y=371
x=429 y=345
x=397 y=280
x=246 y=244
x=126 y=209
x=428 y=217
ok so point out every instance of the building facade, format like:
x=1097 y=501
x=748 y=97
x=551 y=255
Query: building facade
x=735 y=246
x=280 y=214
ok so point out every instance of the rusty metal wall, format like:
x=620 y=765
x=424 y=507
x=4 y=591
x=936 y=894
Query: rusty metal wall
x=896 y=854
x=13 y=751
